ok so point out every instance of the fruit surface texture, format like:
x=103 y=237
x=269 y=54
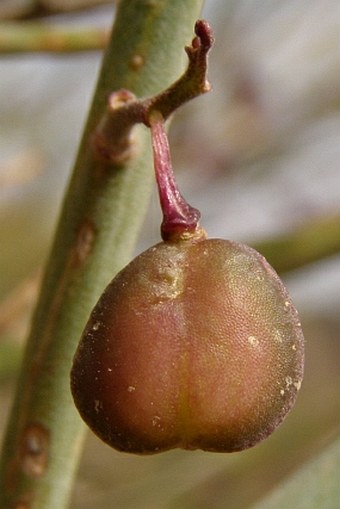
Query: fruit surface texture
x=195 y=344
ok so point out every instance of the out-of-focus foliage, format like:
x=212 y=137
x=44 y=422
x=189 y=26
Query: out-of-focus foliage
x=324 y=493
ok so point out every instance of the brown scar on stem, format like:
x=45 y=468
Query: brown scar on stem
x=85 y=238
x=112 y=142
x=136 y=62
x=34 y=450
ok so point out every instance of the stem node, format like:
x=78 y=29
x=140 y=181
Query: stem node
x=112 y=141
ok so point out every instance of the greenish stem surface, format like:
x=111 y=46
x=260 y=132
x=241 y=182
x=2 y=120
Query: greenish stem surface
x=102 y=213
x=12 y=9
x=27 y=37
x=309 y=243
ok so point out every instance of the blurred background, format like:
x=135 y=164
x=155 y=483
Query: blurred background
x=259 y=156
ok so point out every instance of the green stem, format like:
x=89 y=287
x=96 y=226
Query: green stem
x=27 y=37
x=102 y=213
x=309 y=243
x=10 y=9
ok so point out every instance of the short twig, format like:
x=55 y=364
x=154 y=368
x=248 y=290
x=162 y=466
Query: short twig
x=112 y=141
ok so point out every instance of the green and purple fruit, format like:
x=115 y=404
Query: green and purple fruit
x=195 y=344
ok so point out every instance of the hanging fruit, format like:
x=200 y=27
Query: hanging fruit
x=195 y=344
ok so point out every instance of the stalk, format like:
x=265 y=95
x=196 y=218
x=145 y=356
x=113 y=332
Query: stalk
x=32 y=37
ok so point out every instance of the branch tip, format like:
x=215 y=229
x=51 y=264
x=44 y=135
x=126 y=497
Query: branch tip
x=204 y=33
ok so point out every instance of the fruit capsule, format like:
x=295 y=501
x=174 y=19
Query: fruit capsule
x=195 y=344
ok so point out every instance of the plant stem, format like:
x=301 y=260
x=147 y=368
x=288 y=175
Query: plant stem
x=112 y=137
x=309 y=243
x=27 y=37
x=10 y=9
x=180 y=220
x=102 y=213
